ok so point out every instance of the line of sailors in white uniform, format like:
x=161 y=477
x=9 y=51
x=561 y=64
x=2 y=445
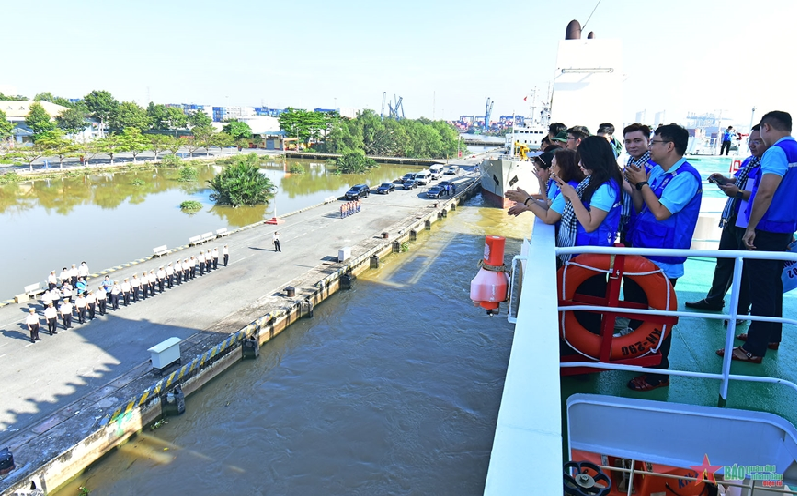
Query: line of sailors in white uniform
x=87 y=303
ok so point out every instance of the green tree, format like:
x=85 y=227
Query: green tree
x=38 y=120
x=238 y=129
x=174 y=144
x=55 y=143
x=204 y=136
x=241 y=183
x=111 y=145
x=199 y=119
x=12 y=98
x=44 y=97
x=354 y=163
x=30 y=153
x=221 y=140
x=72 y=120
x=100 y=105
x=159 y=143
x=88 y=149
x=177 y=118
x=65 y=103
x=163 y=118
x=298 y=123
x=193 y=144
x=134 y=142
x=6 y=128
x=126 y=115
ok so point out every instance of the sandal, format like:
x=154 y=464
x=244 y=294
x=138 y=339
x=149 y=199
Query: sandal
x=771 y=346
x=739 y=354
x=641 y=384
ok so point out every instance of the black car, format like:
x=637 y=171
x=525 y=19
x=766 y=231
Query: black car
x=358 y=191
x=410 y=184
x=385 y=188
x=434 y=192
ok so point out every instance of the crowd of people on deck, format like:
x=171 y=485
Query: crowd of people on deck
x=69 y=297
x=653 y=201
x=349 y=208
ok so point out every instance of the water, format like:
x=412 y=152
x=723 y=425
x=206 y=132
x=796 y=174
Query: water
x=392 y=388
x=106 y=219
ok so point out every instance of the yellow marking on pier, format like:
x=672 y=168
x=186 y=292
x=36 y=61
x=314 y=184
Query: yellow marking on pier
x=143 y=398
x=130 y=406
x=171 y=378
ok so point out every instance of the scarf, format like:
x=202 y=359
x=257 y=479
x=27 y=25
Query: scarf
x=732 y=205
x=628 y=202
x=568 y=227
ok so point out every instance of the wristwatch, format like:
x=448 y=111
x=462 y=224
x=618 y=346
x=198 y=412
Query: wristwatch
x=526 y=201
x=639 y=186
x=740 y=195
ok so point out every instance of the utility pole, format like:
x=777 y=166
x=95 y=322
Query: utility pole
x=752 y=116
x=434 y=103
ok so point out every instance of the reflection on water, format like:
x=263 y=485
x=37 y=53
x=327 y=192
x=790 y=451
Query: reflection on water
x=391 y=388
x=112 y=218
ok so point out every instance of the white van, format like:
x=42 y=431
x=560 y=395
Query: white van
x=436 y=171
x=423 y=177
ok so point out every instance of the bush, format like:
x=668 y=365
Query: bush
x=137 y=182
x=10 y=177
x=354 y=163
x=241 y=184
x=188 y=174
x=171 y=160
x=297 y=169
x=191 y=206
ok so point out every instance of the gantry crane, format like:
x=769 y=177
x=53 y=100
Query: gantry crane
x=488 y=110
x=394 y=109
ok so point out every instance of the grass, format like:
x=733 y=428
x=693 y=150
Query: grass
x=191 y=206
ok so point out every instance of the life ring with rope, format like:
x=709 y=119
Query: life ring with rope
x=647 y=337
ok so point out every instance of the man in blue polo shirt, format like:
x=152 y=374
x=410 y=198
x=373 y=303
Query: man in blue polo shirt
x=772 y=214
x=667 y=203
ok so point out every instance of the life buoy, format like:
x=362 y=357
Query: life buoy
x=646 y=338
x=735 y=164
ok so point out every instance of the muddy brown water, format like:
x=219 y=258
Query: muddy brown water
x=392 y=387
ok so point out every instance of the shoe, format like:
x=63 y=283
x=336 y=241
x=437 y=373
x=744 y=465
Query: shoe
x=642 y=385
x=702 y=305
x=771 y=346
x=739 y=354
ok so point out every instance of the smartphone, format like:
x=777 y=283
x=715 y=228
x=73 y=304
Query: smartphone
x=718 y=180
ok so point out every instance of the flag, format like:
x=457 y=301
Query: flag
x=525 y=98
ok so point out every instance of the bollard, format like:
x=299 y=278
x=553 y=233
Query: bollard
x=396 y=247
x=453 y=206
x=174 y=403
x=444 y=213
x=385 y=235
x=6 y=461
x=250 y=347
x=413 y=235
x=308 y=308
x=374 y=261
x=427 y=224
x=345 y=281
x=290 y=291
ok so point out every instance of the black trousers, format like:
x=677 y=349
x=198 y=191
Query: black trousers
x=81 y=314
x=67 y=318
x=193 y=272
x=632 y=292
x=215 y=263
x=126 y=297
x=135 y=294
x=226 y=259
x=102 y=306
x=178 y=278
x=34 y=332
x=92 y=310
x=767 y=299
x=160 y=285
x=201 y=268
x=277 y=246
x=170 y=281
x=51 y=285
x=726 y=147
x=115 y=301
x=51 y=325
x=731 y=239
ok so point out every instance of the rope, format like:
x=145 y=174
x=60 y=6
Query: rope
x=492 y=268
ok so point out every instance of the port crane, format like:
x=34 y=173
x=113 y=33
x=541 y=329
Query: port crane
x=394 y=108
x=488 y=110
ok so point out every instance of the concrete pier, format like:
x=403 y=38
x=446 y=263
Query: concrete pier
x=71 y=397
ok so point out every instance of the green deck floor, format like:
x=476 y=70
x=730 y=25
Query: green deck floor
x=694 y=343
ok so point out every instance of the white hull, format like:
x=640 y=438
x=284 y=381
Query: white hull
x=501 y=174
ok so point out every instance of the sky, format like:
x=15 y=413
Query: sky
x=444 y=58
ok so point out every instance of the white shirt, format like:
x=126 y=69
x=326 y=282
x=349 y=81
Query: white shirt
x=46 y=298
x=66 y=308
x=32 y=319
x=50 y=313
x=100 y=295
x=52 y=279
x=184 y=266
x=161 y=274
x=169 y=270
x=192 y=262
x=201 y=258
x=83 y=270
x=134 y=283
x=81 y=302
x=276 y=237
x=215 y=253
x=64 y=275
x=125 y=287
x=225 y=251
x=115 y=290
x=73 y=272
x=151 y=277
x=91 y=298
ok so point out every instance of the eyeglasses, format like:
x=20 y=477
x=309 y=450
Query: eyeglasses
x=659 y=141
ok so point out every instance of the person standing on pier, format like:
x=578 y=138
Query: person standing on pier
x=225 y=253
x=201 y=259
x=126 y=288
x=169 y=276
x=51 y=315
x=52 y=280
x=80 y=305
x=107 y=284
x=276 y=241
x=116 y=290
x=185 y=267
x=208 y=261
x=66 y=313
x=727 y=136
x=81 y=286
x=66 y=290
x=83 y=270
x=151 y=280
x=161 y=276
x=91 y=301
x=192 y=268
x=33 y=325
x=215 y=258
x=135 y=288
x=64 y=276
x=102 y=300
x=73 y=275
x=178 y=273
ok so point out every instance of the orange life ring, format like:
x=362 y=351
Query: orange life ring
x=660 y=295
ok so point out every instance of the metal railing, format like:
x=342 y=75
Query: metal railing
x=732 y=315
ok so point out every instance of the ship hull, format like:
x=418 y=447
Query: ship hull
x=502 y=174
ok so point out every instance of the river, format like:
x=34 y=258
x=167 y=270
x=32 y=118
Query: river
x=392 y=387
x=113 y=218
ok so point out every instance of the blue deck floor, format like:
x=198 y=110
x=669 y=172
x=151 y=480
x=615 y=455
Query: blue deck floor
x=694 y=343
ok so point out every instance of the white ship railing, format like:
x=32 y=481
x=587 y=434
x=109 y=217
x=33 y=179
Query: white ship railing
x=529 y=428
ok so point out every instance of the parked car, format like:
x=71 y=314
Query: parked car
x=358 y=191
x=410 y=184
x=434 y=192
x=410 y=176
x=436 y=171
x=423 y=177
x=451 y=170
x=385 y=188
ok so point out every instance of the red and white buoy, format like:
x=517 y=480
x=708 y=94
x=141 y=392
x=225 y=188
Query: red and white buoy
x=489 y=287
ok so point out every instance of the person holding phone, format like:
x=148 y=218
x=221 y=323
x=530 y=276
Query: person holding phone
x=733 y=226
